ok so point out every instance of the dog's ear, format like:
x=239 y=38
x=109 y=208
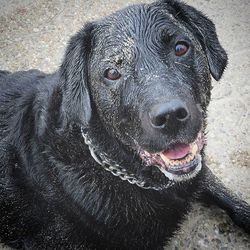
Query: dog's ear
x=204 y=29
x=74 y=76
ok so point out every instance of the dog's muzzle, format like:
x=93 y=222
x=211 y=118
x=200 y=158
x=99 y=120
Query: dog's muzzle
x=179 y=162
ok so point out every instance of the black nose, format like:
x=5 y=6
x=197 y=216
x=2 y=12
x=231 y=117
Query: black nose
x=169 y=113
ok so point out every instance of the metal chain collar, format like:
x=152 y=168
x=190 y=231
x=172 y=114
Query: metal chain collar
x=117 y=170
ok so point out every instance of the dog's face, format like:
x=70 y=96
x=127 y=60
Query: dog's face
x=149 y=80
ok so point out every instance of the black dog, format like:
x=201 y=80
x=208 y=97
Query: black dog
x=107 y=153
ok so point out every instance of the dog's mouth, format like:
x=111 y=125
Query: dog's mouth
x=178 y=162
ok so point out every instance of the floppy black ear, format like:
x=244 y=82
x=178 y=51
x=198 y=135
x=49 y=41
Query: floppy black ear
x=74 y=76
x=205 y=31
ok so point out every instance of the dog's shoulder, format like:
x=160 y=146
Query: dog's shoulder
x=21 y=80
x=19 y=95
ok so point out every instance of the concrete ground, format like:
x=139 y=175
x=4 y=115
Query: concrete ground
x=33 y=34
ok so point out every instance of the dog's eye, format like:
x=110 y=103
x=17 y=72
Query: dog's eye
x=112 y=74
x=181 y=48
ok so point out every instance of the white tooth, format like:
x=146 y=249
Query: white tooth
x=189 y=157
x=194 y=149
x=174 y=163
x=165 y=159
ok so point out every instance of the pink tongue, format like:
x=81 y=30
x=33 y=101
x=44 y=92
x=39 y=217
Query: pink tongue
x=177 y=152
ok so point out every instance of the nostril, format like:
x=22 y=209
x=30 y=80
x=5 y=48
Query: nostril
x=158 y=116
x=159 y=121
x=182 y=114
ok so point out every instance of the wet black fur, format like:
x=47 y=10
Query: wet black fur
x=53 y=195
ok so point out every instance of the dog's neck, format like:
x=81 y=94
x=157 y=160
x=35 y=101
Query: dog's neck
x=116 y=169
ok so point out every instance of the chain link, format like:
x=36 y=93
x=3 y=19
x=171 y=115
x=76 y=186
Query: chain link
x=117 y=170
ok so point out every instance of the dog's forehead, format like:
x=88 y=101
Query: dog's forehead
x=125 y=29
x=140 y=20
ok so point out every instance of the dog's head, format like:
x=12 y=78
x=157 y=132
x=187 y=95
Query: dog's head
x=145 y=72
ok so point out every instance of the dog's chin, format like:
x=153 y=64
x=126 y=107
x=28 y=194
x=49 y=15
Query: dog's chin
x=179 y=162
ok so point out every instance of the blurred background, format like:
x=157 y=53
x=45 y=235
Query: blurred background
x=33 y=34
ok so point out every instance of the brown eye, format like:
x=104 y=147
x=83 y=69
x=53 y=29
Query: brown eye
x=181 y=48
x=112 y=74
